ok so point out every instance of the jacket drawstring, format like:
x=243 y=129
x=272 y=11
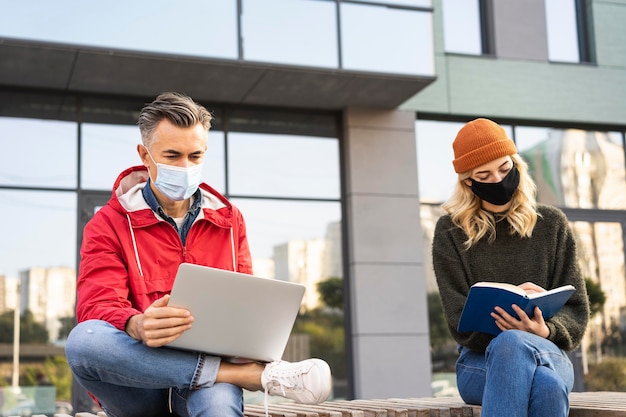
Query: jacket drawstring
x=132 y=235
x=232 y=247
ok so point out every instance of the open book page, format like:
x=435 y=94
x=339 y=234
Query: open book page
x=518 y=290
x=552 y=291
x=502 y=285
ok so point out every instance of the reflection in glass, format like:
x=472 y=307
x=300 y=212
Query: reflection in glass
x=39 y=249
x=283 y=165
x=46 y=237
x=461 y=25
x=271 y=223
x=290 y=32
x=384 y=39
x=209 y=26
x=575 y=168
x=562 y=30
x=600 y=248
x=214 y=169
x=38 y=153
x=301 y=242
x=107 y=150
x=413 y=3
x=436 y=175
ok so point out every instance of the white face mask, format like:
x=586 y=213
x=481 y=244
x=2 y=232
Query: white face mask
x=177 y=183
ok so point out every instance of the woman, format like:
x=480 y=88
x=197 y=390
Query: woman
x=495 y=231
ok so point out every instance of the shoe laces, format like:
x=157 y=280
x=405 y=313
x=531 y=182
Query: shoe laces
x=291 y=380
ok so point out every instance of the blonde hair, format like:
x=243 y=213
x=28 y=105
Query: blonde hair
x=466 y=212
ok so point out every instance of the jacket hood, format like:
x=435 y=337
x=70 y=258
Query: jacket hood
x=127 y=198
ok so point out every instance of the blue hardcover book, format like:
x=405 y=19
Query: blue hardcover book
x=483 y=297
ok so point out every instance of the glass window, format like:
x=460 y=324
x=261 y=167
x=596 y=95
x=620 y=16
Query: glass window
x=186 y=27
x=39 y=230
x=384 y=39
x=600 y=247
x=109 y=149
x=283 y=166
x=409 y=3
x=301 y=242
x=461 y=26
x=575 y=168
x=272 y=224
x=214 y=169
x=302 y=32
x=38 y=153
x=562 y=30
x=436 y=175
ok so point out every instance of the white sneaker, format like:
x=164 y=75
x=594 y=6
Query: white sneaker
x=306 y=382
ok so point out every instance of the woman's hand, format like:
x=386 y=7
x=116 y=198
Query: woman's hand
x=531 y=287
x=535 y=325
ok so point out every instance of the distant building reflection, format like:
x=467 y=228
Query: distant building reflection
x=585 y=169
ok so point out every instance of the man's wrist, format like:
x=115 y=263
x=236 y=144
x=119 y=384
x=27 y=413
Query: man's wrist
x=131 y=325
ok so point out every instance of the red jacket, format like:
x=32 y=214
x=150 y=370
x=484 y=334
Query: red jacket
x=130 y=256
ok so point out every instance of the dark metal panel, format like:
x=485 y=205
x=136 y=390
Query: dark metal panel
x=333 y=89
x=76 y=69
x=121 y=73
x=41 y=105
x=43 y=66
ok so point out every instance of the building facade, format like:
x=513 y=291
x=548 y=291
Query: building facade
x=327 y=112
x=50 y=295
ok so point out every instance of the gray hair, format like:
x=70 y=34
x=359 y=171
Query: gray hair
x=178 y=108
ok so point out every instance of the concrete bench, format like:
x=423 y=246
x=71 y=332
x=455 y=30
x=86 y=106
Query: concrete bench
x=582 y=404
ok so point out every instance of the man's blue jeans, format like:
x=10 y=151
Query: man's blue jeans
x=519 y=375
x=131 y=379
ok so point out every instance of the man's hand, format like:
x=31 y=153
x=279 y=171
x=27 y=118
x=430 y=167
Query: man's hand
x=159 y=324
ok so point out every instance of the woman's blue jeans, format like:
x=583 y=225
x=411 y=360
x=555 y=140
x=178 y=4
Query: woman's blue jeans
x=519 y=375
x=130 y=379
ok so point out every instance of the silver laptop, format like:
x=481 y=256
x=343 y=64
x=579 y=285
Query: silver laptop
x=235 y=315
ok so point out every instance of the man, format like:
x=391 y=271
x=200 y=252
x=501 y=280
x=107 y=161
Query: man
x=160 y=215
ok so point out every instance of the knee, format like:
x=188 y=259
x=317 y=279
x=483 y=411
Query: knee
x=85 y=338
x=507 y=343
x=220 y=399
x=550 y=383
x=510 y=337
x=548 y=394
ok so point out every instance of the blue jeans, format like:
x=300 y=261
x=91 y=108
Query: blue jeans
x=519 y=375
x=130 y=379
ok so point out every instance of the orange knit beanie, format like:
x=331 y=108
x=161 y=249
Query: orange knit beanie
x=478 y=142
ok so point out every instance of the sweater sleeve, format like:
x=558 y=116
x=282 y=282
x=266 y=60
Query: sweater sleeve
x=568 y=326
x=453 y=281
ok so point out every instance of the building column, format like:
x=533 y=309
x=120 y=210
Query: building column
x=389 y=339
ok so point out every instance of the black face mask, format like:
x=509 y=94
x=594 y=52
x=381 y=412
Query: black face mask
x=497 y=193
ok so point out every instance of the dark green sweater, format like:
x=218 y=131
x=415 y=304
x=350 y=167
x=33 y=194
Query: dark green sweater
x=548 y=259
